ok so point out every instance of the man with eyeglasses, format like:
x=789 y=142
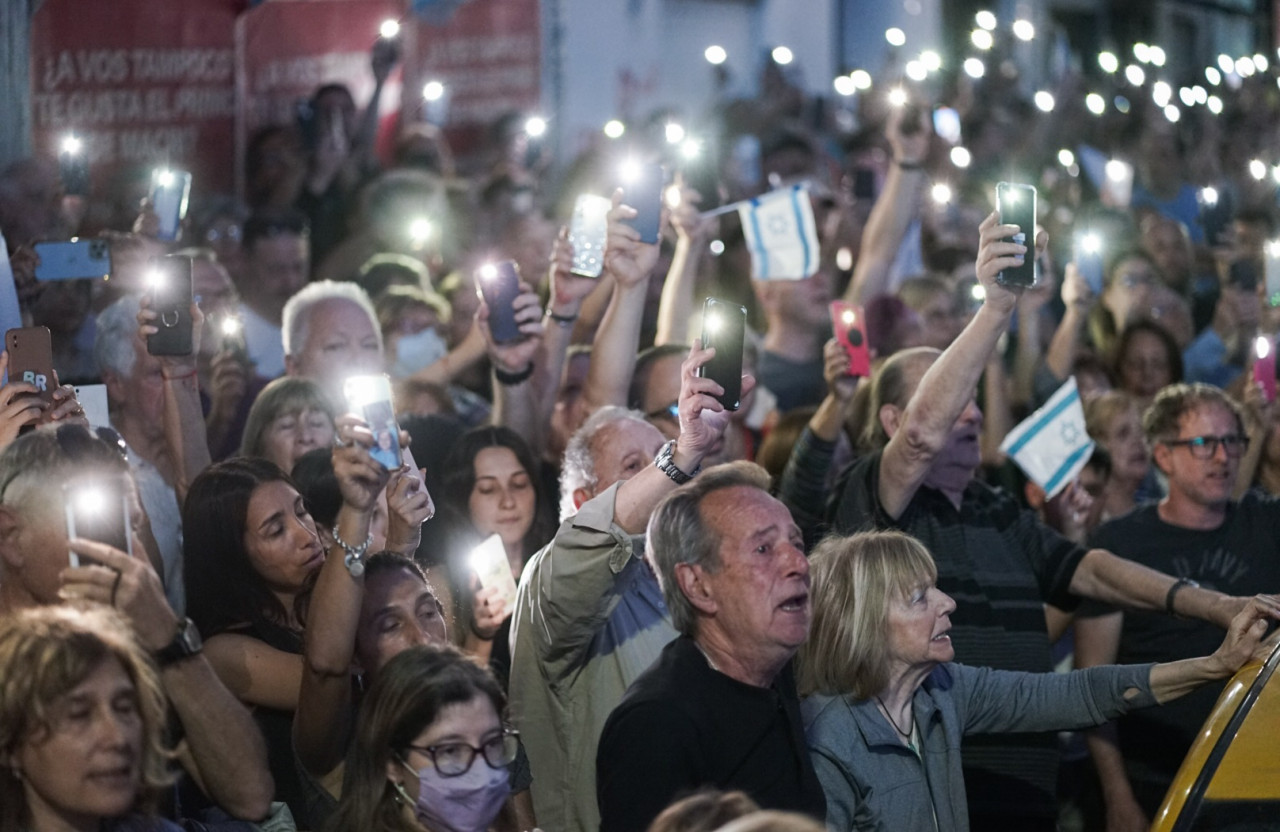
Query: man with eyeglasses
x=1203 y=538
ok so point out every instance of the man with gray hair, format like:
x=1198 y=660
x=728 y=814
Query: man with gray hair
x=330 y=332
x=589 y=614
x=719 y=707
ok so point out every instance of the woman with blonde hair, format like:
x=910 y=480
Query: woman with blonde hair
x=81 y=720
x=888 y=705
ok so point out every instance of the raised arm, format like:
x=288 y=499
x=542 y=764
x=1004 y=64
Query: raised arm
x=629 y=263
x=897 y=207
x=692 y=234
x=514 y=365
x=323 y=720
x=1065 y=344
x=948 y=386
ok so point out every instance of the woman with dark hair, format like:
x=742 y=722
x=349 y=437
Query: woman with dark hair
x=82 y=720
x=491 y=487
x=1146 y=359
x=430 y=752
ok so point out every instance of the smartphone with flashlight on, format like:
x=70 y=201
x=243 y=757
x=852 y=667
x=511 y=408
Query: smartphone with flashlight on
x=1016 y=205
x=170 y=192
x=724 y=326
x=588 y=228
x=489 y=562
x=642 y=190
x=73 y=166
x=169 y=281
x=370 y=398
x=1264 y=366
x=849 y=324
x=498 y=285
x=1087 y=254
x=1271 y=275
x=96 y=509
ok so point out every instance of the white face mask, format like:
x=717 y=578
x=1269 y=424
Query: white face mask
x=418 y=351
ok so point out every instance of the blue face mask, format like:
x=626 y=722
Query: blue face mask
x=418 y=351
x=466 y=803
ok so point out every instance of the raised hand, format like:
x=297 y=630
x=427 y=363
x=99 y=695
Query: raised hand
x=627 y=259
x=361 y=478
x=514 y=357
x=409 y=505
x=702 y=417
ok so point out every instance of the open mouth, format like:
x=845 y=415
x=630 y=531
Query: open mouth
x=796 y=603
x=943 y=637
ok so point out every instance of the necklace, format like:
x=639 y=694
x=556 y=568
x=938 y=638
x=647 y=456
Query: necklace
x=906 y=735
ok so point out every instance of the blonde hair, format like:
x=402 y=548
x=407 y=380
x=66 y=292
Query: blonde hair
x=285 y=395
x=854 y=579
x=1101 y=411
x=45 y=653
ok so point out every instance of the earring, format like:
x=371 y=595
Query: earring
x=401 y=796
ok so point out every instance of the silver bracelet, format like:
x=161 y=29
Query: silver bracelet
x=354 y=558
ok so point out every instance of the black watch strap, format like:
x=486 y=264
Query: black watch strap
x=186 y=643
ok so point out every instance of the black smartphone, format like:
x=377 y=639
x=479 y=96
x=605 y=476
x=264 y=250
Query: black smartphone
x=498 y=284
x=169 y=279
x=73 y=260
x=73 y=166
x=864 y=182
x=642 y=190
x=96 y=509
x=1016 y=205
x=724 y=326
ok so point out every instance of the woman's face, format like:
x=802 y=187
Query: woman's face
x=88 y=764
x=398 y=611
x=918 y=625
x=280 y=537
x=1126 y=444
x=473 y=723
x=1128 y=292
x=290 y=435
x=502 y=500
x=1144 y=367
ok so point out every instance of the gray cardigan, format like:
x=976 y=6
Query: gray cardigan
x=874 y=782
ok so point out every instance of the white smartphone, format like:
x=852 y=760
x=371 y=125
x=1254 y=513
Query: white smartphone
x=587 y=230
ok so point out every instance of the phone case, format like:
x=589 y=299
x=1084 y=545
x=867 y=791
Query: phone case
x=370 y=396
x=498 y=285
x=96 y=510
x=73 y=260
x=645 y=195
x=170 y=191
x=850 y=327
x=171 y=299
x=724 y=326
x=1088 y=263
x=587 y=231
x=489 y=562
x=31 y=358
x=1017 y=206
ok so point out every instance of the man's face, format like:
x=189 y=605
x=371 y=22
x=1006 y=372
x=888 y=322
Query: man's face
x=760 y=590
x=278 y=267
x=1204 y=482
x=801 y=303
x=622 y=450
x=398 y=612
x=341 y=341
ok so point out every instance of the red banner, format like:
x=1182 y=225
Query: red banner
x=142 y=82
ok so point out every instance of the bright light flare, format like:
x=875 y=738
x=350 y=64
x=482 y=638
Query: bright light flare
x=844 y=85
x=782 y=55
x=614 y=128
x=72 y=144
x=895 y=36
x=1109 y=62
x=974 y=67
x=941 y=193
x=535 y=127
x=985 y=20
x=1024 y=30
x=389 y=29
x=960 y=157
x=1066 y=158
x=433 y=90
x=1095 y=103
x=674 y=133
x=715 y=55
x=861 y=79
x=1044 y=101
x=1134 y=75
x=1258 y=169
x=982 y=39
x=897 y=97
x=932 y=60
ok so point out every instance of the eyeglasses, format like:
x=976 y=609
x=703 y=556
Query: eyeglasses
x=1206 y=447
x=671 y=411
x=454 y=759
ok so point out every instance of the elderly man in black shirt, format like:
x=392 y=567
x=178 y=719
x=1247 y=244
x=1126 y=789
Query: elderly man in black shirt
x=719 y=706
x=995 y=559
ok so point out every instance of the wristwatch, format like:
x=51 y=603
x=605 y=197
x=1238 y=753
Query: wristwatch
x=186 y=643
x=666 y=464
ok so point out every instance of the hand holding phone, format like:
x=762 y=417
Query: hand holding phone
x=498 y=285
x=849 y=324
x=171 y=290
x=170 y=192
x=1016 y=205
x=588 y=229
x=1087 y=255
x=96 y=509
x=724 y=327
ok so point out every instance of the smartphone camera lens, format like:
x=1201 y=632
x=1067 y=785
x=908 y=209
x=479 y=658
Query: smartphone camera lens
x=855 y=337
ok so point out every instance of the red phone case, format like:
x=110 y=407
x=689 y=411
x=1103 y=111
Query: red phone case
x=848 y=321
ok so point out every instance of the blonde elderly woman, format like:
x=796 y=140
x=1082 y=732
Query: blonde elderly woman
x=888 y=706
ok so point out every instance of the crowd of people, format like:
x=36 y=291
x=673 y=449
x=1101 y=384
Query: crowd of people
x=836 y=605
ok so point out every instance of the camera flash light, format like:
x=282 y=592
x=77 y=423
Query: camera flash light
x=672 y=196
x=230 y=326
x=978 y=292
x=715 y=55
x=389 y=29
x=848 y=317
x=490 y=554
x=361 y=390
x=164 y=178
x=488 y=271
x=629 y=171
x=1209 y=196
x=614 y=129
x=1262 y=346
x=90 y=500
x=535 y=127
x=691 y=149
x=897 y=97
x=1116 y=170
x=419 y=230
x=72 y=144
x=941 y=193
x=154 y=279
x=433 y=91
x=1273 y=249
x=712 y=325
x=674 y=133
x=782 y=55
x=1091 y=243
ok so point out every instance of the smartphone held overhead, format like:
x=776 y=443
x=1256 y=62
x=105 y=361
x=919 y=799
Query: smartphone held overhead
x=370 y=398
x=724 y=327
x=170 y=289
x=170 y=193
x=31 y=359
x=849 y=324
x=96 y=509
x=1088 y=256
x=588 y=228
x=498 y=285
x=1016 y=205
x=642 y=190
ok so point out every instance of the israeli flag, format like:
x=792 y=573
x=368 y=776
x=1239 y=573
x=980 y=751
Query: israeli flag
x=1051 y=445
x=781 y=234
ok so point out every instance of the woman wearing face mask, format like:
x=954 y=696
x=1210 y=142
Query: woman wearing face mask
x=82 y=714
x=412 y=323
x=430 y=752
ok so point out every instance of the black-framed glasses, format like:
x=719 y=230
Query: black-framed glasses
x=1206 y=447
x=454 y=759
x=671 y=411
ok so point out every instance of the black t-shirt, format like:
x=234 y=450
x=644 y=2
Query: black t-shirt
x=1001 y=565
x=683 y=726
x=1241 y=557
